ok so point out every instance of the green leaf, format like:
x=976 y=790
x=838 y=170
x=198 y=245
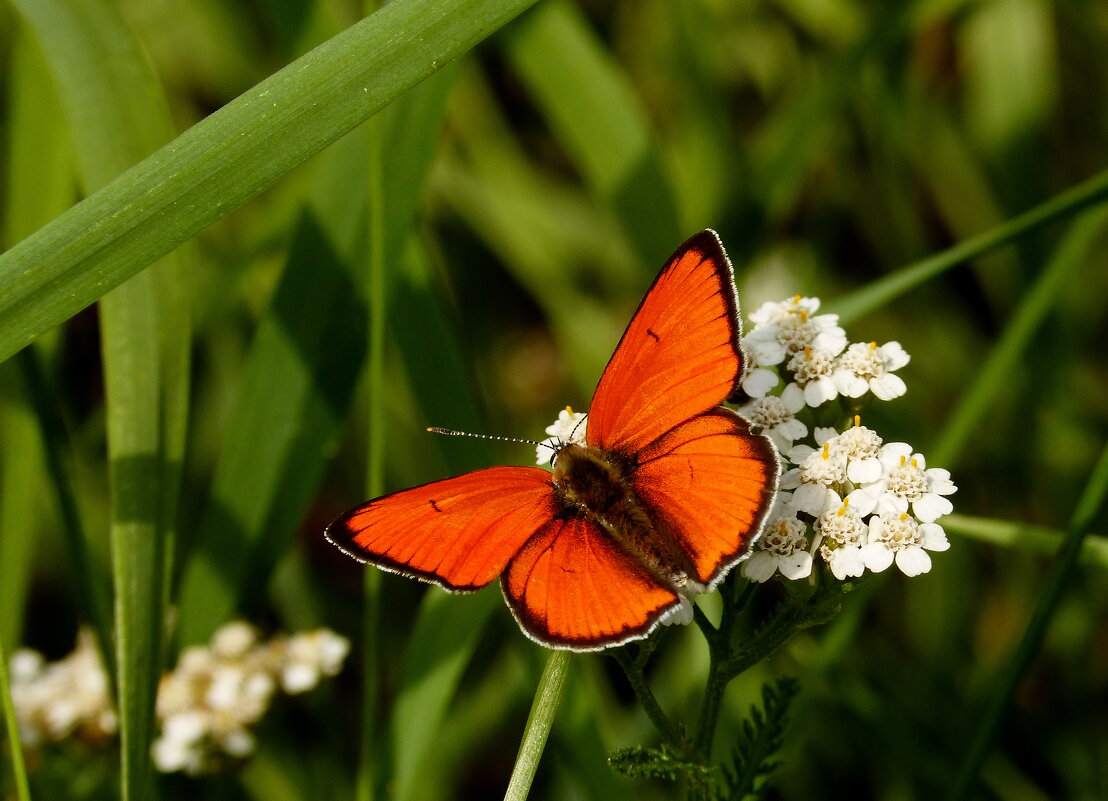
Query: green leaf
x=759 y=741
x=1090 y=192
x=21 y=472
x=116 y=114
x=443 y=640
x=595 y=115
x=637 y=762
x=230 y=156
x=296 y=388
x=1071 y=255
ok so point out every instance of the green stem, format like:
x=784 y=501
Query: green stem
x=1088 y=507
x=373 y=758
x=650 y=704
x=1092 y=191
x=22 y=790
x=539 y=722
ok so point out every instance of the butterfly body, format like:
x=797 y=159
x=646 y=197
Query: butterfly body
x=663 y=498
x=597 y=485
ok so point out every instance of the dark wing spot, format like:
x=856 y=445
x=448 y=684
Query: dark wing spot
x=692 y=476
x=651 y=332
x=568 y=570
x=435 y=506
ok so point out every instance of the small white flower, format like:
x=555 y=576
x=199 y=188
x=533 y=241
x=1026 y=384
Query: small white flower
x=568 y=428
x=813 y=481
x=791 y=326
x=812 y=369
x=867 y=366
x=775 y=415
x=842 y=535
x=905 y=540
x=905 y=480
x=861 y=446
x=234 y=639
x=238 y=743
x=783 y=547
x=759 y=381
x=299 y=677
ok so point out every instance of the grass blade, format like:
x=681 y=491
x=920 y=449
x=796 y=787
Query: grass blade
x=1087 y=510
x=19 y=769
x=21 y=471
x=229 y=157
x=1071 y=255
x=1088 y=193
x=116 y=114
x=1025 y=537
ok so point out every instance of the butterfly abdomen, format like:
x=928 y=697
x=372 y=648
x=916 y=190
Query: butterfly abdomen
x=596 y=484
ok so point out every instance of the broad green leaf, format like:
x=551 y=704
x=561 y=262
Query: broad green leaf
x=229 y=157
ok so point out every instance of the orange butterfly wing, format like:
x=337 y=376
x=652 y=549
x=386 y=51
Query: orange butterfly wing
x=458 y=533
x=699 y=475
x=710 y=483
x=680 y=355
x=573 y=587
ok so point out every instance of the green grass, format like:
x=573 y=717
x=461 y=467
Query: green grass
x=309 y=236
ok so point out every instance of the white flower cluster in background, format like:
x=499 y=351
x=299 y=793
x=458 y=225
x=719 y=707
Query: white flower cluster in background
x=208 y=704
x=205 y=707
x=67 y=698
x=848 y=499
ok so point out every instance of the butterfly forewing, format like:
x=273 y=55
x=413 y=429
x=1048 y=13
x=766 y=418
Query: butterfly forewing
x=710 y=483
x=680 y=355
x=459 y=532
x=572 y=587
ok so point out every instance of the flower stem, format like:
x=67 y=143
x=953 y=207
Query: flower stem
x=649 y=703
x=1092 y=499
x=539 y=722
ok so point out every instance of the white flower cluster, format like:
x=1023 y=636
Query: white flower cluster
x=861 y=503
x=208 y=704
x=818 y=363
x=67 y=698
x=205 y=706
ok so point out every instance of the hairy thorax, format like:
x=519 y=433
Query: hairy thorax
x=597 y=484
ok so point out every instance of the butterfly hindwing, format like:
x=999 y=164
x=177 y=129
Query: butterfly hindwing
x=680 y=355
x=571 y=586
x=458 y=533
x=709 y=483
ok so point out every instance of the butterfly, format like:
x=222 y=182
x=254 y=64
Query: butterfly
x=666 y=494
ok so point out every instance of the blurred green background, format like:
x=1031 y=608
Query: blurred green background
x=469 y=258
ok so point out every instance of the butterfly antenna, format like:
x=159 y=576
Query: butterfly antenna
x=452 y=433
